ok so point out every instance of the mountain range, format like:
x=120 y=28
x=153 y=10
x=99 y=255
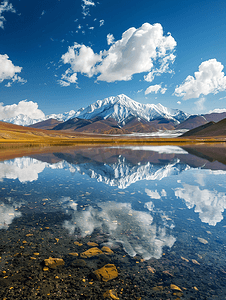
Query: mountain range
x=120 y=115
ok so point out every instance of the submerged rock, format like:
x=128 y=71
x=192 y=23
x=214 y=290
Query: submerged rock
x=112 y=294
x=203 y=241
x=106 y=273
x=106 y=250
x=53 y=262
x=91 y=252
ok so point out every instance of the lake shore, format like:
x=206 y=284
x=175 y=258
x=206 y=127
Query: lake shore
x=11 y=148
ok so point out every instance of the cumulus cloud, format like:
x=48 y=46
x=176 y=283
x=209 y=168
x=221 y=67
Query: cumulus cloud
x=67 y=78
x=82 y=59
x=8 y=70
x=5 y=6
x=209 y=204
x=155 y=89
x=28 y=108
x=86 y=4
x=142 y=50
x=209 y=79
x=101 y=23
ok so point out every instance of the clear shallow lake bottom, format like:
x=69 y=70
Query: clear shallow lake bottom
x=159 y=209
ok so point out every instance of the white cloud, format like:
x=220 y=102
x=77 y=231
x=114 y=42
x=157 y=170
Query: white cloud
x=200 y=104
x=141 y=50
x=86 y=5
x=8 y=70
x=209 y=79
x=101 y=23
x=67 y=78
x=110 y=39
x=217 y=110
x=222 y=98
x=82 y=59
x=179 y=102
x=29 y=109
x=5 y=6
x=155 y=89
x=163 y=68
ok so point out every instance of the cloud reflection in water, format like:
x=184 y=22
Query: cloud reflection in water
x=135 y=230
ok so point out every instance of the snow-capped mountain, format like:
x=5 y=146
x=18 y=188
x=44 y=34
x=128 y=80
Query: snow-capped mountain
x=25 y=120
x=118 y=108
x=121 y=107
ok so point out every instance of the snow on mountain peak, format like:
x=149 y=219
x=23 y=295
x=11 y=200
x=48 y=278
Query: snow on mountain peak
x=119 y=108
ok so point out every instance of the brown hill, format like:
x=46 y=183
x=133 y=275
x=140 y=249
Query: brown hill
x=216 y=117
x=198 y=120
x=109 y=125
x=47 y=124
x=14 y=132
x=192 y=122
x=210 y=129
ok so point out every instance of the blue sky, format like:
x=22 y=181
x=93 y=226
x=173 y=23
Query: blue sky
x=66 y=54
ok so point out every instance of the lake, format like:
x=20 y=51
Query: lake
x=132 y=222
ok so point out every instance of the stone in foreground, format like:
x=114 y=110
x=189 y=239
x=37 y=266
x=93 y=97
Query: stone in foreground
x=107 y=272
x=53 y=262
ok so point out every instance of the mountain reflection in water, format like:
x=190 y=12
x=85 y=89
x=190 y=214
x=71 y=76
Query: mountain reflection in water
x=163 y=206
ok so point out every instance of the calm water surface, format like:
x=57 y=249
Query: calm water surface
x=160 y=209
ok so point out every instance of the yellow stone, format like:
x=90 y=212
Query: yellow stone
x=91 y=252
x=57 y=239
x=184 y=259
x=73 y=254
x=157 y=288
x=175 y=287
x=45 y=269
x=24 y=242
x=195 y=262
x=107 y=273
x=78 y=244
x=36 y=253
x=29 y=234
x=195 y=288
x=53 y=262
x=106 y=250
x=150 y=269
x=32 y=257
x=111 y=294
x=92 y=244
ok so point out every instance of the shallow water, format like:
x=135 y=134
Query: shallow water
x=160 y=209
